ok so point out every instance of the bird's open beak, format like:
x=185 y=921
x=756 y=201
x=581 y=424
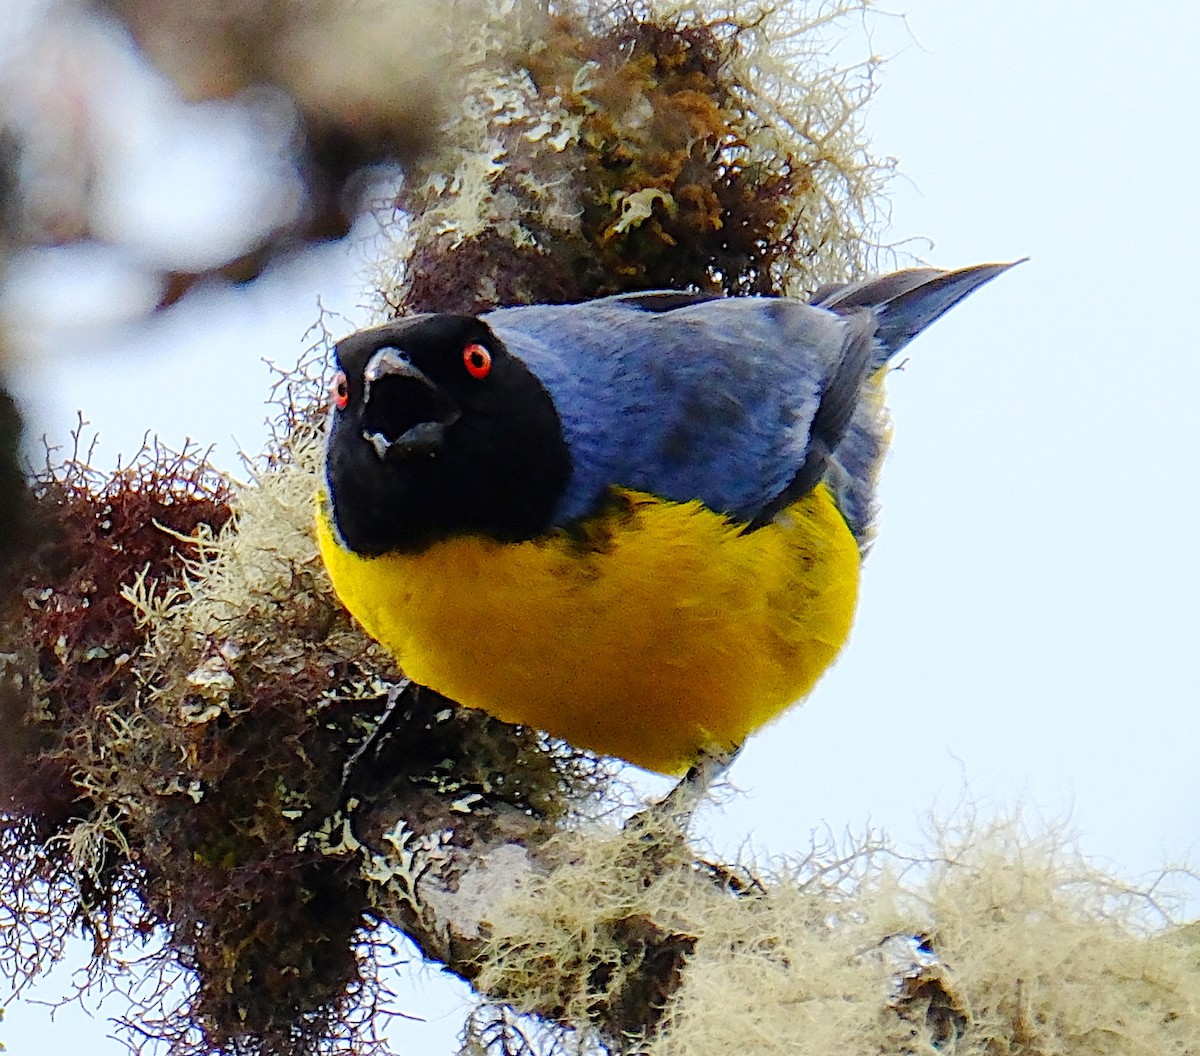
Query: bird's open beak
x=404 y=413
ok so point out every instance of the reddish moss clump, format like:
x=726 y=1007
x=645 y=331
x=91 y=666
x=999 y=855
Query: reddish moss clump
x=68 y=646
x=71 y=634
x=664 y=118
x=663 y=129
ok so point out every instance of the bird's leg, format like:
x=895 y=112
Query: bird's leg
x=374 y=740
x=678 y=805
x=710 y=765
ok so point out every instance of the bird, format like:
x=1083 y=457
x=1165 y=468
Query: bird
x=635 y=523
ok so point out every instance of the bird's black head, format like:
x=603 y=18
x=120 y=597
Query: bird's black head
x=436 y=430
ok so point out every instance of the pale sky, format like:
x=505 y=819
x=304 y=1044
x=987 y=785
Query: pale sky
x=1027 y=632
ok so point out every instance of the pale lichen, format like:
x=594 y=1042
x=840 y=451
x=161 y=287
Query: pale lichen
x=601 y=147
x=1021 y=945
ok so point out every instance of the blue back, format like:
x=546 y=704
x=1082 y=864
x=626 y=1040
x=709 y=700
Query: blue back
x=716 y=400
x=712 y=401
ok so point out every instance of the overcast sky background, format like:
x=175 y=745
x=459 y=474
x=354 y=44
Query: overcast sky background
x=1029 y=625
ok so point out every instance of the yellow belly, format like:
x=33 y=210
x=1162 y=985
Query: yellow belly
x=656 y=633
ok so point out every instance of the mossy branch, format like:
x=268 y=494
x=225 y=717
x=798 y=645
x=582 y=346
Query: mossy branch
x=177 y=765
x=181 y=693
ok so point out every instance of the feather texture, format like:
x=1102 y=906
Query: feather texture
x=743 y=403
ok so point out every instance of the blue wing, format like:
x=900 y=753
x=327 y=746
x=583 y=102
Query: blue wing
x=743 y=403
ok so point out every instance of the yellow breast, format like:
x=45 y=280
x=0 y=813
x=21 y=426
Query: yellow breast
x=654 y=633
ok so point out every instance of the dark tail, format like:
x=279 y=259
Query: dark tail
x=905 y=302
x=884 y=314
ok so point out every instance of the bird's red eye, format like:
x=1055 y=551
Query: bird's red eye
x=477 y=360
x=339 y=391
